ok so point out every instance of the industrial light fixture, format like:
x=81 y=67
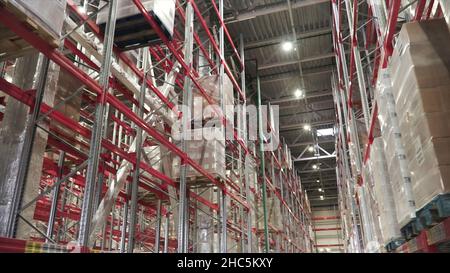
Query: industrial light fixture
x=315 y=167
x=310 y=149
x=321 y=197
x=287 y=46
x=298 y=93
x=325 y=132
x=320 y=190
x=307 y=127
x=318 y=181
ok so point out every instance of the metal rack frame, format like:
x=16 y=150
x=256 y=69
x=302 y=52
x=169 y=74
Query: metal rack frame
x=73 y=195
x=376 y=31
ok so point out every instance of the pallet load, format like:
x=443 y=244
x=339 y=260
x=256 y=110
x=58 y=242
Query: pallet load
x=420 y=69
x=382 y=190
x=210 y=85
x=132 y=30
x=399 y=174
x=209 y=154
x=372 y=231
x=43 y=17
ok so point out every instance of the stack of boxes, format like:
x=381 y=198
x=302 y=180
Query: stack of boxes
x=399 y=175
x=207 y=145
x=372 y=231
x=420 y=71
x=50 y=14
x=386 y=216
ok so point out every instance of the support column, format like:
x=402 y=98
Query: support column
x=262 y=166
x=97 y=130
x=19 y=176
x=186 y=122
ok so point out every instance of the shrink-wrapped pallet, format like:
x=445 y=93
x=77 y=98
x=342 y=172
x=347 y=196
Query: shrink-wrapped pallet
x=48 y=14
x=420 y=69
x=208 y=153
x=399 y=175
x=387 y=216
x=202 y=109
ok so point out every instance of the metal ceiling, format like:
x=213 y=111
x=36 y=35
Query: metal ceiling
x=265 y=24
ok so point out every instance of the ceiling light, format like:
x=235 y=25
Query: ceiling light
x=310 y=149
x=321 y=197
x=325 y=132
x=287 y=46
x=320 y=190
x=307 y=127
x=318 y=181
x=298 y=93
x=315 y=167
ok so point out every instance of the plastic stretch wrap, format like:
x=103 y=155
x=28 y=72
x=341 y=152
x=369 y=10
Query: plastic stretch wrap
x=420 y=71
x=210 y=85
x=399 y=174
x=387 y=217
x=274 y=209
x=375 y=244
x=48 y=13
x=365 y=217
x=210 y=154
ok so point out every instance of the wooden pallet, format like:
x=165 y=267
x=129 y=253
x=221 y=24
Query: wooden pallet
x=412 y=229
x=435 y=211
x=151 y=198
x=200 y=181
x=394 y=244
x=13 y=46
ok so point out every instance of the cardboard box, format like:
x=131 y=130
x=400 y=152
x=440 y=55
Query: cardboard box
x=420 y=66
x=421 y=127
x=210 y=154
x=421 y=56
x=429 y=165
x=48 y=13
x=433 y=182
x=382 y=190
x=425 y=100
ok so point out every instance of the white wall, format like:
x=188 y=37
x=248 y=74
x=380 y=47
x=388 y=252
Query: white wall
x=327 y=240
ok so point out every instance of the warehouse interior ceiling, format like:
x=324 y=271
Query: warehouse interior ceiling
x=307 y=113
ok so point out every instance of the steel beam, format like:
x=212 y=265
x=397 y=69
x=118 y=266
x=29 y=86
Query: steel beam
x=97 y=130
x=301 y=144
x=283 y=76
x=266 y=10
x=314 y=158
x=300 y=125
x=303 y=60
x=310 y=96
x=279 y=39
x=317 y=171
